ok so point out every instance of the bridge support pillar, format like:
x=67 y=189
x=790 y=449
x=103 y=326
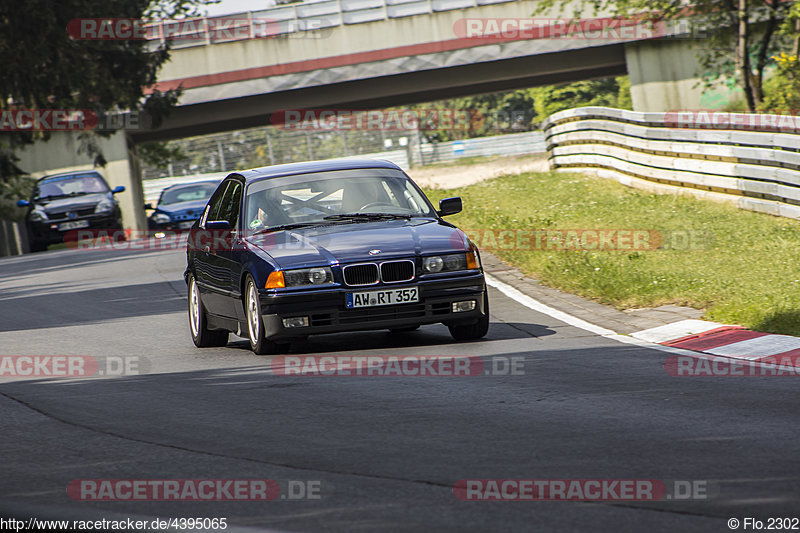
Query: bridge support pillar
x=60 y=154
x=665 y=76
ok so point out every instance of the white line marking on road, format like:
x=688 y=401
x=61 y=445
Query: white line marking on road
x=530 y=303
x=785 y=341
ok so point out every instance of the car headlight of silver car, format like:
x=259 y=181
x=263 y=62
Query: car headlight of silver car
x=37 y=215
x=308 y=276
x=104 y=206
x=161 y=218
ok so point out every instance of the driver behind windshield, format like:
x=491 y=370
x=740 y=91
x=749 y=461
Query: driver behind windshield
x=321 y=201
x=265 y=210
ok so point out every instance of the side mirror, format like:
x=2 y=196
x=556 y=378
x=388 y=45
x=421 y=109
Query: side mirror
x=148 y=206
x=449 y=206
x=218 y=224
x=23 y=203
x=118 y=189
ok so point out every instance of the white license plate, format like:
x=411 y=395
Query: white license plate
x=186 y=225
x=64 y=226
x=384 y=297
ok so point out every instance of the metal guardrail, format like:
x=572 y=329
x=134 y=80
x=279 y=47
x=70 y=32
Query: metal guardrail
x=293 y=18
x=530 y=142
x=752 y=160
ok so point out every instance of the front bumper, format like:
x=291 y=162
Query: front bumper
x=327 y=313
x=48 y=232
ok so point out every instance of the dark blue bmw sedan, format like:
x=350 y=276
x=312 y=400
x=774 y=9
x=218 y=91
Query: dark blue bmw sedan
x=288 y=251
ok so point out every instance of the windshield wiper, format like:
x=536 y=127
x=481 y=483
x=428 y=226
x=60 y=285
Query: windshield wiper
x=367 y=216
x=288 y=226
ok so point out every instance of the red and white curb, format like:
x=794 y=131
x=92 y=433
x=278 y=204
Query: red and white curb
x=695 y=338
x=733 y=342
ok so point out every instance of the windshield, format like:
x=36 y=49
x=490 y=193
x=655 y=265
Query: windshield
x=190 y=193
x=72 y=185
x=335 y=196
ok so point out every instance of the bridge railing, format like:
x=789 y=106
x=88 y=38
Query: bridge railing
x=752 y=160
x=282 y=21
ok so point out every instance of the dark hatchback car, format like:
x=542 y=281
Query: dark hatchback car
x=70 y=201
x=180 y=205
x=289 y=251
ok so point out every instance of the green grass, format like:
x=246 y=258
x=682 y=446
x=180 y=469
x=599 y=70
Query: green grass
x=743 y=268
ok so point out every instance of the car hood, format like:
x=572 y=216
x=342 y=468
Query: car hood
x=60 y=205
x=351 y=242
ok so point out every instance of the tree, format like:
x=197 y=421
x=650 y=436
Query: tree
x=44 y=68
x=742 y=35
x=782 y=89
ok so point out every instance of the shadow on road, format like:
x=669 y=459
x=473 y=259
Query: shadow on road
x=39 y=311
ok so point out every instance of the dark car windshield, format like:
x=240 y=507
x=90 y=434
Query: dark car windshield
x=334 y=196
x=72 y=185
x=188 y=193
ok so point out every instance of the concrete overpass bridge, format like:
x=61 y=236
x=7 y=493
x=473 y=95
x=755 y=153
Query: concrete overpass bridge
x=236 y=71
x=377 y=53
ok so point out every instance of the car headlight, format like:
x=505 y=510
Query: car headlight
x=444 y=263
x=104 y=206
x=160 y=218
x=37 y=215
x=308 y=276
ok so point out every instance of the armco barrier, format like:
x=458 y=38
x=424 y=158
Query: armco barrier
x=750 y=160
x=529 y=142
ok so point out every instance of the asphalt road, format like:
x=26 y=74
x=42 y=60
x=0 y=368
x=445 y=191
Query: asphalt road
x=384 y=452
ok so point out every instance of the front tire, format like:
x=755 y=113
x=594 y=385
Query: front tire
x=198 y=324
x=255 y=326
x=471 y=332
